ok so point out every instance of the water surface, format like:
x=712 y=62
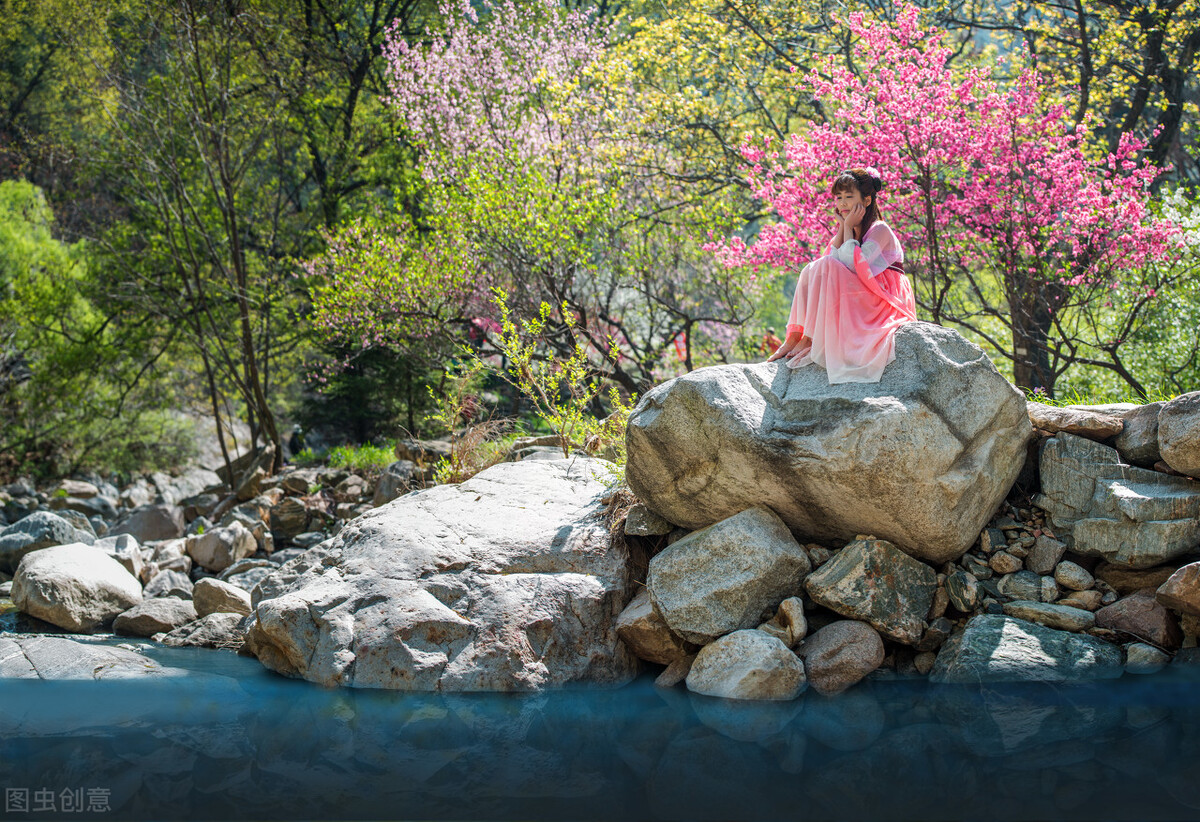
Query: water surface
x=234 y=741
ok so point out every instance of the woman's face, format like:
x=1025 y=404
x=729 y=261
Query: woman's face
x=846 y=199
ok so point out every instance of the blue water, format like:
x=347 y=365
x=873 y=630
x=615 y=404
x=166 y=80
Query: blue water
x=237 y=742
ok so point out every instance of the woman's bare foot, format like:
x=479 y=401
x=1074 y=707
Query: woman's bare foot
x=791 y=344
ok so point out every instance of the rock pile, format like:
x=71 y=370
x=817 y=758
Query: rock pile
x=173 y=557
x=1088 y=579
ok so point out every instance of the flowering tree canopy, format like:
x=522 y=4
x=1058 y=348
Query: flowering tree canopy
x=1005 y=221
x=535 y=179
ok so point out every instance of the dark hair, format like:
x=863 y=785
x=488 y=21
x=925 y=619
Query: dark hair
x=868 y=184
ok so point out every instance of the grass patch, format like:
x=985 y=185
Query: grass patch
x=1076 y=396
x=366 y=458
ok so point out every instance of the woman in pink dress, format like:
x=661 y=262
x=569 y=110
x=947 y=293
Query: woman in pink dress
x=849 y=303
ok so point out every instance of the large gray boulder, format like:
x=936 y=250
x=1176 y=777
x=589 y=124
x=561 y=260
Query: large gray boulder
x=38 y=530
x=77 y=587
x=921 y=458
x=1179 y=433
x=507 y=582
x=1102 y=506
x=727 y=576
x=994 y=648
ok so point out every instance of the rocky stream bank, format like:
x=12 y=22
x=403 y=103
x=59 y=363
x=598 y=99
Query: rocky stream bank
x=776 y=534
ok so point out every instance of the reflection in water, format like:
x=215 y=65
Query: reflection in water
x=237 y=742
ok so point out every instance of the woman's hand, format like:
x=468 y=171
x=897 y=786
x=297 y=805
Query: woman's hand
x=790 y=344
x=854 y=219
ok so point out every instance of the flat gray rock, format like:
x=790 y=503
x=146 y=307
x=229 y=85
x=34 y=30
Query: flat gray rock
x=153 y=616
x=1059 y=617
x=921 y=458
x=221 y=630
x=33 y=656
x=1083 y=422
x=507 y=582
x=995 y=648
x=728 y=576
x=1102 y=506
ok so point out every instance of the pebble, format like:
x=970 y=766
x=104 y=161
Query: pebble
x=1045 y=554
x=923 y=662
x=1008 y=524
x=963 y=591
x=1141 y=658
x=992 y=539
x=941 y=601
x=1018 y=550
x=1087 y=600
x=1072 y=576
x=976 y=567
x=1003 y=562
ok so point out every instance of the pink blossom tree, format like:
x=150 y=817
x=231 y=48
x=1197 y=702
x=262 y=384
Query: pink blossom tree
x=1010 y=228
x=535 y=180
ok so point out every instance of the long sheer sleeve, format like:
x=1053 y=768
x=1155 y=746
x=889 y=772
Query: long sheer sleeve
x=879 y=249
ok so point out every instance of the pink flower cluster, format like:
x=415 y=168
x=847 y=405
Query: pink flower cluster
x=978 y=169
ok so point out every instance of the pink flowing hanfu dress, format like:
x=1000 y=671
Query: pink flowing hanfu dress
x=850 y=303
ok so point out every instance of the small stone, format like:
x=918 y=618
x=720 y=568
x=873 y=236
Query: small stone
x=1087 y=600
x=1059 y=617
x=1181 y=591
x=642 y=628
x=1023 y=585
x=1142 y=616
x=1026 y=541
x=1050 y=590
x=1128 y=580
x=676 y=672
x=1045 y=554
x=995 y=648
x=941 y=601
x=818 y=554
x=935 y=635
x=1073 y=577
x=214 y=596
x=727 y=576
x=789 y=624
x=1017 y=550
x=1003 y=562
x=923 y=662
x=976 y=567
x=747 y=664
x=992 y=607
x=1141 y=658
x=1006 y=523
x=962 y=590
x=642 y=522
x=840 y=655
x=151 y=616
x=992 y=539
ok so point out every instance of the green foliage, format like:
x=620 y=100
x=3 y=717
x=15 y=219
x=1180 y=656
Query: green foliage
x=563 y=390
x=367 y=457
